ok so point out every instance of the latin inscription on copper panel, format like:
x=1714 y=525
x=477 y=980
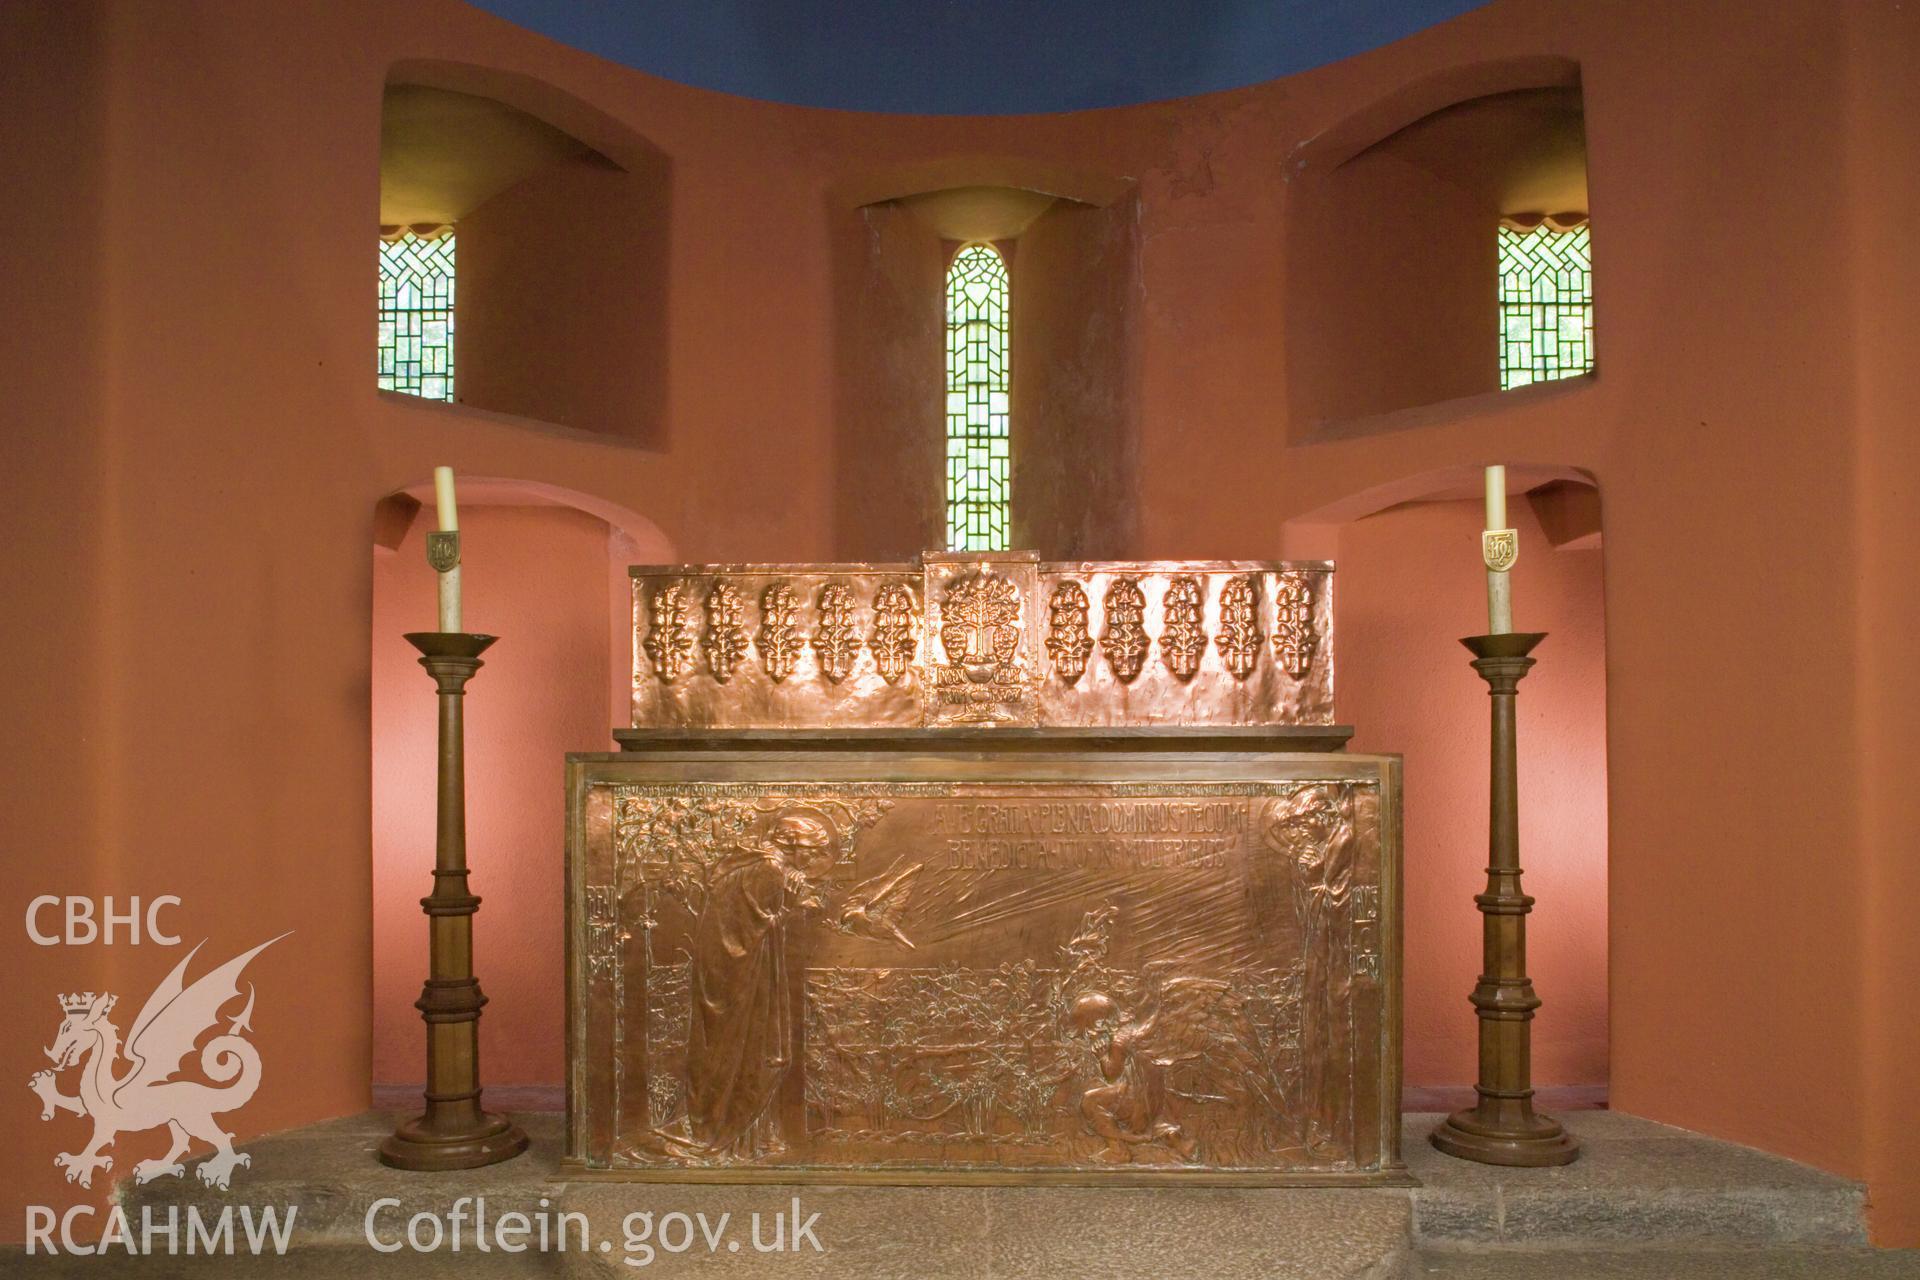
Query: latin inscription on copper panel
x=949 y=978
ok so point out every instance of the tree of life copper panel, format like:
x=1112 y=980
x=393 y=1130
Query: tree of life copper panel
x=965 y=981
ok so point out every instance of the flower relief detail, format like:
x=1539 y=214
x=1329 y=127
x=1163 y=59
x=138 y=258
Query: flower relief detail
x=780 y=641
x=669 y=642
x=1293 y=629
x=895 y=631
x=1125 y=640
x=1068 y=643
x=836 y=640
x=1239 y=638
x=726 y=640
x=1183 y=639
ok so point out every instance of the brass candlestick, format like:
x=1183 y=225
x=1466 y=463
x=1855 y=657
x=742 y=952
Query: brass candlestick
x=453 y=1133
x=1503 y=1128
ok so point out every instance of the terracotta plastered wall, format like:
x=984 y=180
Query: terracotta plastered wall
x=889 y=353
x=193 y=407
x=1884 y=172
x=54 y=449
x=1392 y=299
x=541 y=333
x=1075 y=313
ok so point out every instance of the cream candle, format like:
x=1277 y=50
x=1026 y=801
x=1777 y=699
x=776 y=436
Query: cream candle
x=1499 y=547
x=449 y=523
x=443 y=498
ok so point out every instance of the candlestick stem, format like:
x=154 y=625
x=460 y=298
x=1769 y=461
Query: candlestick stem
x=1502 y=1127
x=453 y=1132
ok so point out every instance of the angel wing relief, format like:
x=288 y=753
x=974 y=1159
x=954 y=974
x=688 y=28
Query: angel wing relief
x=145 y=1094
x=873 y=907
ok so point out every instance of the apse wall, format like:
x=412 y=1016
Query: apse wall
x=206 y=436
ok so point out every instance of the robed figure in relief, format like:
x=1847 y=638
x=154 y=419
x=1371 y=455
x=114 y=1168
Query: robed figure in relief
x=741 y=1041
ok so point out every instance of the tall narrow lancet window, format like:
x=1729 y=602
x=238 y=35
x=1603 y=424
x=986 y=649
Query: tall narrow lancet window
x=416 y=313
x=1546 y=302
x=979 y=465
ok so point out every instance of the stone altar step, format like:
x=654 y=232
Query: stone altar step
x=1780 y=1263
x=329 y=1171
x=1642 y=1195
x=1636 y=1183
x=342 y=1261
x=349 y=1262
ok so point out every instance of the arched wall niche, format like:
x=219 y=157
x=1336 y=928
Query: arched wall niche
x=632 y=539
x=1422 y=97
x=1445 y=484
x=546 y=571
x=954 y=172
x=562 y=215
x=1408 y=584
x=1392 y=253
x=545 y=102
x=1071 y=242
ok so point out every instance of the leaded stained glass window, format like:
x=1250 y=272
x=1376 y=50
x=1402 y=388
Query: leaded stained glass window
x=979 y=466
x=416 y=315
x=1546 y=304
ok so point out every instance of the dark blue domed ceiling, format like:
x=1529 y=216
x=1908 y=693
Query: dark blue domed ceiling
x=974 y=57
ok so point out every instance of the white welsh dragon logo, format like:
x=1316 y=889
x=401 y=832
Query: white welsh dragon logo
x=146 y=1096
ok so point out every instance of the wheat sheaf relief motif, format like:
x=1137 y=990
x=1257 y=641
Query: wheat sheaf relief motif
x=895 y=635
x=726 y=640
x=780 y=639
x=669 y=643
x=1125 y=640
x=836 y=640
x=1068 y=643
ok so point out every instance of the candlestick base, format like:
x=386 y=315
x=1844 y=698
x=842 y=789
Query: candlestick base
x=1496 y=1133
x=482 y=1140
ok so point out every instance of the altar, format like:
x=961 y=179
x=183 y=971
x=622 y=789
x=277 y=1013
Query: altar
x=983 y=870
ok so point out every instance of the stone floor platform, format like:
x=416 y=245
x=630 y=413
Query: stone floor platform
x=1701 y=1263
x=1644 y=1200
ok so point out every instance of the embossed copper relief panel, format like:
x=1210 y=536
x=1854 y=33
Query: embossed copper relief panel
x=956 y=967
x=977 y=640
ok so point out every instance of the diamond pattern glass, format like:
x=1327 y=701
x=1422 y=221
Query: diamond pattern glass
x=1546 y=305
x=416 y=315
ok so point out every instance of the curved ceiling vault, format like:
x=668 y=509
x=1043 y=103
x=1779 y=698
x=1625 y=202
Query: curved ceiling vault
x=983 y=57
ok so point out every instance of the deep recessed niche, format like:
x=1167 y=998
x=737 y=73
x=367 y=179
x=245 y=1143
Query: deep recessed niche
x=560 y=216
x=1393 y=237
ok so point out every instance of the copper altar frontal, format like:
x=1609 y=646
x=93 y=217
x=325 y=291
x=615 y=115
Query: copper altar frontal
x=983 y=639
x=961 y=966
x=1062 y=880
